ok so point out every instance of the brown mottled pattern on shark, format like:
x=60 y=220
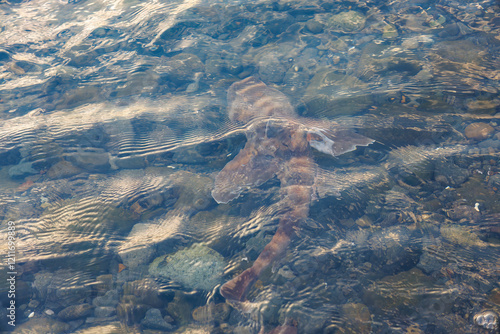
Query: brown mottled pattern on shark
x=278 y=144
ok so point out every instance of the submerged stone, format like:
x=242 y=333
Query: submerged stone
x=350 y=21
x=197 y=267
x=154 y=320
x=211 y=312
x=479 y=131
x=75 y=312
x=43 y=325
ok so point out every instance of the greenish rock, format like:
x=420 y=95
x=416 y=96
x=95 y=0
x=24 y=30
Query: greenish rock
x=21 y=170
x=42 y=325
x=314 y=26
x=326 y=95
x=197 y=267
x=350 y=21
x=138 y=83
x=212 y=312
x=397 y=293
x=462 y=51
x=182 y=68
x=389 y=32
x=460 y=235
x=82 y=95
x=357 y=318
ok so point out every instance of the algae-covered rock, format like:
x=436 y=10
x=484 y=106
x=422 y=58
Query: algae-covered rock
x=42 y=325
x=461 y=236
x=357 y=318
x=399 y=292
x=349 y=21
x=211 y=312
x=73 y=312
x=197 y=267
x=333 y=94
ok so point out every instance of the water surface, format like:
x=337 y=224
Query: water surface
x=114 y=126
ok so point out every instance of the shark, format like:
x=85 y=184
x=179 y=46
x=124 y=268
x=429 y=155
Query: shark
x=279 y=144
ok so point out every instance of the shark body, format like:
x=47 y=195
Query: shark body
x=278 y=144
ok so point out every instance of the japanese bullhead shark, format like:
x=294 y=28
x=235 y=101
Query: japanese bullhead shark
x=278 y=144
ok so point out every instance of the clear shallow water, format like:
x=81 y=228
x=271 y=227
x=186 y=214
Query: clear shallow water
x=114 y=126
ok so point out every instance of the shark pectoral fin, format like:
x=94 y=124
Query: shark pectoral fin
x=248 y=169
x=336 y=143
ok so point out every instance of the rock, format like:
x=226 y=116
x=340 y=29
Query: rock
x=460 y=235
x=42 y=281
x=145 y=292
x=357 y=318
x=212 y=312
x=104 y=283
x=180 y=309
x=138 y=83
x=324 y=95
x=389 y=31
x=109 y=326
x=154 y=320
x=21 y=170
x=479 y=131
x=483 y=106
x=197 y=267
x=134 y=256
x=391 y=293
x=494 y=180
x=109 y=299
x=181 y=68
x=62 y=169
x=104 y=311
x=489 y=143
x=460 y=211
x=131 y=313
x=347 y=22
x=270 y=68
x=97 y=161
x=449 y=174
x=132 y=162
x=42 y=325
x=314 y=26
x=75 y=312
x=430 y=262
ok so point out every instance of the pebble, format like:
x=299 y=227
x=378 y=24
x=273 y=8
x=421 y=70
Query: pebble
x=154 y=320
x=211 y=312
x=104 y=311
x=75 y=312
x=62 y=169
x=109 y=299
x=478 y=131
